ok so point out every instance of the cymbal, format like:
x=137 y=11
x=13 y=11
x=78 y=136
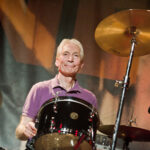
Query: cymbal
x=127 y=132
x=114 y=33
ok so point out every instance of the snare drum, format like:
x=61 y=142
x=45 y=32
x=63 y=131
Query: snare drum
x=66 y=122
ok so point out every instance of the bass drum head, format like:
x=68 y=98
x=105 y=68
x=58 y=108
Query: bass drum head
x=57 y=141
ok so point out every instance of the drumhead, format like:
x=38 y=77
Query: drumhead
x=67 y=99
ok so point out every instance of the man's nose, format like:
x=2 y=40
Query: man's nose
x=70 y=58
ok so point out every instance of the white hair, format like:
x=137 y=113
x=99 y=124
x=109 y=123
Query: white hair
x=76 y=42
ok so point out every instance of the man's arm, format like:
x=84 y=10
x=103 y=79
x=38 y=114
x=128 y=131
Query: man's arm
x=26 y=128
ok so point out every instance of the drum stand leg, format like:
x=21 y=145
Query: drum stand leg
x=30 y=144
x=125 y=145
x=94 y=147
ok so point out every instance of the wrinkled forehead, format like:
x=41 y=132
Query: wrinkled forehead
x=71 y=47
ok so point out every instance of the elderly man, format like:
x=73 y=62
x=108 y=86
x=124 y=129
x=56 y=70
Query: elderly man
x=69 y=60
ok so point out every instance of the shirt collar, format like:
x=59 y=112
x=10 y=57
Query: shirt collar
x=55 y=84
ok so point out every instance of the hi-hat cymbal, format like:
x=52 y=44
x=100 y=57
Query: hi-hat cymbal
x=127 y=132
x=114 y=33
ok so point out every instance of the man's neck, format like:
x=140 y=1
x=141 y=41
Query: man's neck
x=66 y=82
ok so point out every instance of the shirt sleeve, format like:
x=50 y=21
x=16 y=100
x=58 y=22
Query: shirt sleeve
x=31 y=106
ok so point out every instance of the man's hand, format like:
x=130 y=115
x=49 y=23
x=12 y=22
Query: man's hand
x=26 y=128
x=30 y=130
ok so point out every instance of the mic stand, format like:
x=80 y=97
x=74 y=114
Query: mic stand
x=125 y=85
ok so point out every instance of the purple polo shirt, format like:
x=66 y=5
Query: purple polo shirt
x=44 y=91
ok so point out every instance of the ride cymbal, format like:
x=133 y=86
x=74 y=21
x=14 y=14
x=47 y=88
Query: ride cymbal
x=114 y=33
x=127 y=132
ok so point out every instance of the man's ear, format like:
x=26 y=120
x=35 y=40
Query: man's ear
x=81 y=65
x=57 y=62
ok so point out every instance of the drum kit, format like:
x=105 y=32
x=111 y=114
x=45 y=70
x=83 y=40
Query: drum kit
x=125 y=33
x=69 y=123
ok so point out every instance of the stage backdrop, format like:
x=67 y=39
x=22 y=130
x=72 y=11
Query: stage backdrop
x=30 y=31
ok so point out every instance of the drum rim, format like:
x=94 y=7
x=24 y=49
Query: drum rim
x=68 y=99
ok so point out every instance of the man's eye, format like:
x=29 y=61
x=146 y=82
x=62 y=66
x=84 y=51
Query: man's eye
x=76 y=55
x=65 y=54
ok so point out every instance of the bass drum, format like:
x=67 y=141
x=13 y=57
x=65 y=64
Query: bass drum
x=66 y=123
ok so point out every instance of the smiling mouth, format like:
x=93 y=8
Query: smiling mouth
x=71 y=66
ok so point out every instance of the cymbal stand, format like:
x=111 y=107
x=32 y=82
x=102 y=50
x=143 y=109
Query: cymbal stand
x=125 y=85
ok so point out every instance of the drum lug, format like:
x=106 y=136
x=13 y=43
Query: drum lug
x=64 y=130
x=70 y=130
x=55 y=108
x=52 y=127
x=90 y=131
x=92 y=114
x=55 y=103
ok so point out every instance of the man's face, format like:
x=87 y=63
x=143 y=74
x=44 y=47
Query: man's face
x=69 y=61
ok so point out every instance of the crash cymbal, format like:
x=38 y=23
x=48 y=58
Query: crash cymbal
x=114 y=33
x=127 y=132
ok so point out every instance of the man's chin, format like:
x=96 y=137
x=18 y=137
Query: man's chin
x=69 y=74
